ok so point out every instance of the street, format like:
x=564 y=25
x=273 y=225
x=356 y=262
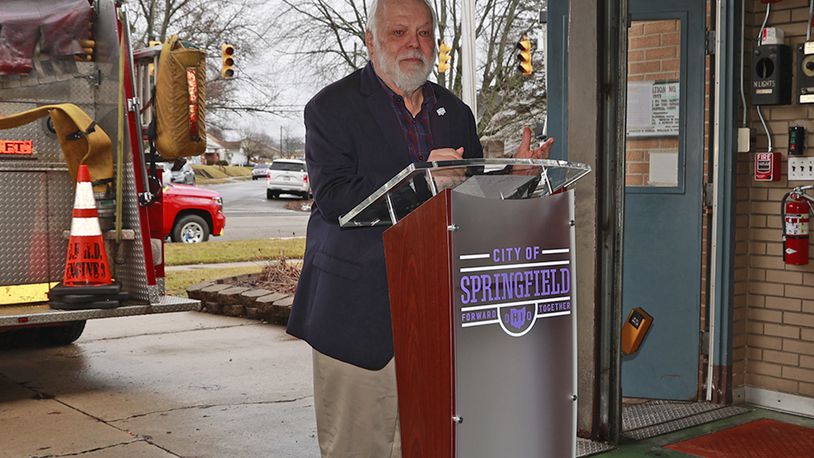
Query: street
x=177 y=384
x=249 y=215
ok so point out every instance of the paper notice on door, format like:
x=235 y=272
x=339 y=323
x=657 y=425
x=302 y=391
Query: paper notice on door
x=653 y=108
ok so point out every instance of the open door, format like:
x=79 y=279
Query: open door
x=663 y=195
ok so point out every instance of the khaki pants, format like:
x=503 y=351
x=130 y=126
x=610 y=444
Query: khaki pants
x=356 y=409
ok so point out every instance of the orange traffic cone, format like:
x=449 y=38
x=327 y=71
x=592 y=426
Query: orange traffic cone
x=86 y=263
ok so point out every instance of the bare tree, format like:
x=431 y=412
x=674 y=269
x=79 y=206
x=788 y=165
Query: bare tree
x=262 y=144
x=294 y=146
x=258 y=145
x=240 y=23
x=330 y=35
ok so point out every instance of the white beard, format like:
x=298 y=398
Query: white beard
x=407 y=81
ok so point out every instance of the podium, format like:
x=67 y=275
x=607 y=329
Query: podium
x=480 y=267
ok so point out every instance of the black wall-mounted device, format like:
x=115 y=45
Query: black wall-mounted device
x=797 y=140
x=805 y=72
x=771 y=75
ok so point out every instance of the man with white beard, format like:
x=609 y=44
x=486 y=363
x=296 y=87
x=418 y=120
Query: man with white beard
x=360 y=131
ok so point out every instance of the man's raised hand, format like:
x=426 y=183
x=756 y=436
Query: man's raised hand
x=524 y=151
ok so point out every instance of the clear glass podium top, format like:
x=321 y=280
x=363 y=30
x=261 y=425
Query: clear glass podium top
x=488 y=178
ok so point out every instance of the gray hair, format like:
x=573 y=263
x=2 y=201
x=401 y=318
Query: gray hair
x=373 y=10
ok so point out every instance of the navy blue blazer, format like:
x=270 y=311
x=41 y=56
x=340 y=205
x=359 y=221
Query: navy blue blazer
x=353 y=145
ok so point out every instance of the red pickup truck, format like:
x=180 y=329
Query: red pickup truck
x=191 y=214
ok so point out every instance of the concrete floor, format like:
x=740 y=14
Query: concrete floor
x=187 y=384
x=178 y=384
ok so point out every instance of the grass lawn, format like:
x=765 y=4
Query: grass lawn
x=176 y=254
x=213 y=174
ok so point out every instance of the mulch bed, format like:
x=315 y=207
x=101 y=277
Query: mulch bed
x=280 y=276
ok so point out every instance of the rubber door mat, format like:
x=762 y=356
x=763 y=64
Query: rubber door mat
x=759 y=439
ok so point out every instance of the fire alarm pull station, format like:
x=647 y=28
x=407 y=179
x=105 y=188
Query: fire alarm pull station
x=633 y=331
x=767 y=166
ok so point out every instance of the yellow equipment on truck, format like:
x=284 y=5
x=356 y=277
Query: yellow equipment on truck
x=71 y=93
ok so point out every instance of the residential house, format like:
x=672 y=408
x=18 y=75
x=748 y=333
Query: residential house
x=218 y=149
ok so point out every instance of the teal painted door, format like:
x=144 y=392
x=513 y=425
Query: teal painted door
x=663 y=195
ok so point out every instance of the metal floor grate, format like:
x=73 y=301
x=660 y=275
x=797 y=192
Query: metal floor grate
x=653 y=418
x=587 y=447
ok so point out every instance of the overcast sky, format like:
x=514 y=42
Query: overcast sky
x=294 y=93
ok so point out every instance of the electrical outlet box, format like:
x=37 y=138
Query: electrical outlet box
x=743 y=140
x=801 y=169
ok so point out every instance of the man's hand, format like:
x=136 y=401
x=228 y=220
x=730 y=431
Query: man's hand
x=446 y=154
x=448 y=178
x=524 y=151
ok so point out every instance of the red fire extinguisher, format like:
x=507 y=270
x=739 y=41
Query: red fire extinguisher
x=795 y=209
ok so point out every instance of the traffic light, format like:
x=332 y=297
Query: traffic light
x=443 y=57
x=151 y=44
x=524 y=56
x=227 y=60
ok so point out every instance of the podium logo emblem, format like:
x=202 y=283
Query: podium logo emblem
x=517 y=320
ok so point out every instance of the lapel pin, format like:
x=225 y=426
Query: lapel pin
x=441 y=111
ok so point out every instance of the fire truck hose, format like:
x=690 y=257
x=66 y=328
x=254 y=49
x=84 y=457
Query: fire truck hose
x=81 y=140
x=180 y=100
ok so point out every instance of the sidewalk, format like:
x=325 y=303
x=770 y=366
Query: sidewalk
x=161 y=386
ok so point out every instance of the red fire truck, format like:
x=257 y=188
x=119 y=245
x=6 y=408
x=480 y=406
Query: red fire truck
x=78 y=52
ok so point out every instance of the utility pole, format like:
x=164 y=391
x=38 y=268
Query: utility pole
x=468 y=91
x=282 y=153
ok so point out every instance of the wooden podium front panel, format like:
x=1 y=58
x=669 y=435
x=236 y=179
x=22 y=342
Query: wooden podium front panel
x=417 y=250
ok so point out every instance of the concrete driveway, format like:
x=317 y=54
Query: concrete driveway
x=178 y=384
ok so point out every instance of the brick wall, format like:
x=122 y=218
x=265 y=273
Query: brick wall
x=774 y=315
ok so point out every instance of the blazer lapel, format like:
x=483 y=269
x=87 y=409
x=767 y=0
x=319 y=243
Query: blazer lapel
x=381 y=108
x=439 y=124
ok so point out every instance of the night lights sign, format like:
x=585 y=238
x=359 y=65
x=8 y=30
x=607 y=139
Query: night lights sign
x=513 y=287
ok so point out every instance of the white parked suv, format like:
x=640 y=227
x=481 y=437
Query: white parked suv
x=288 y=176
